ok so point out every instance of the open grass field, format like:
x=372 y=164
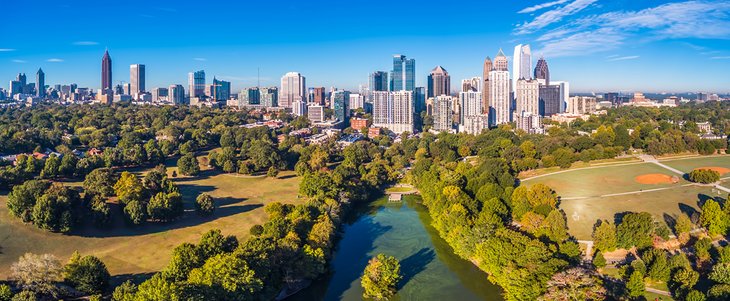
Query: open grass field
x=688 y=164
x=598 y=193
x=128 y=251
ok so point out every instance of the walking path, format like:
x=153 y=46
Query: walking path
x=651 y=159
x=588 y=256
x=660 y=292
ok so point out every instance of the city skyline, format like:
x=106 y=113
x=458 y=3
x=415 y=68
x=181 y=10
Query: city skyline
x=628 y=59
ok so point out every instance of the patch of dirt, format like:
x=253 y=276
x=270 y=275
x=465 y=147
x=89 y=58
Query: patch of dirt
x=721 y=170
x=656 y=178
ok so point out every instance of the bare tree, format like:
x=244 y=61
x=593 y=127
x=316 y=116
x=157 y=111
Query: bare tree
x=37 y=273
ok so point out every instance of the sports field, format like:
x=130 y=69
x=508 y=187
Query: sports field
x=148 y=248
x=597 y=193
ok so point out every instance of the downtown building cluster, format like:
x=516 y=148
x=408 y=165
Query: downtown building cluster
x=521 y=95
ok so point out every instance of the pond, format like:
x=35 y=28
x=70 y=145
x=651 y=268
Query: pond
x=431 y=271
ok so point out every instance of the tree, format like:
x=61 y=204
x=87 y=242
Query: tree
x=381 y=277
x=635 y=285
x=185 y=258
x=204 y=204
x=100 y=181
x=213 y=243
x=101 y=213
x=51 y=168
x=125 y=291
x=188 y=165
x=575 y=284
x=604 y=236
x=5 y=293
x=56 y=210
x=273 y=172
x=157 y=288
x=721 y=273
x=635 y=230
x=685 y=278
x=128 y=187
x=704 y=176
x=134 y=211
x=228 y=276
x=25 y=296
x=695 y=295
x=713 y=218
x=87 y=274
x=683 y=225
x=165 y=206
x=24 y=197
x=37 y=273
x=598 y=260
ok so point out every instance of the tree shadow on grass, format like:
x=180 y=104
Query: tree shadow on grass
x=189 y=219
x=286 y=177
x=619 y=217
x=688 y=210
x=703 y=198
x=414 y=264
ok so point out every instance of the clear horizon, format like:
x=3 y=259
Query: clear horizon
x=597 y=46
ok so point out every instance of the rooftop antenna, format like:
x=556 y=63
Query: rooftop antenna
x=258 y=78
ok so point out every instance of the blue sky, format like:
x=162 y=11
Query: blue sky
x=597 y=45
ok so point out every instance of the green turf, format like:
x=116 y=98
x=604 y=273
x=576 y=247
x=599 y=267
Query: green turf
x=688 y=164
x=147 y=249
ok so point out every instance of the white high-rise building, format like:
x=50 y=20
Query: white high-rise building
x=474 y=125
x=472 y=84
x=136 y=79
x=470 y=104
x=357 y=101
x=500 y=102
x=527 y=97
x=564 y=93
x=299 y=108
x=531 y=123
x=442 y=113
x=315 y=113
x=521 y=65
x=293 y=88
x=393 y=110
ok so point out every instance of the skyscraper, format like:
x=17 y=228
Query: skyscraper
x=340 y=101
x=393 y=110
x=317 y=95
x=564 y=94
x=470 y=104
x=521 y=65
x=499 y=91
x=378 y=81
x=542 y=72
x=439 y=82
x=136 y=79
x=403 y=76
x=40 y=82
x=473 y=84
x=485 y=85
x=22 y=79
x=293 y=88
x=550 y=100
x=106 y=72
x=221 y=90
x=269 y=97
x=196 y=84
x=176 y=94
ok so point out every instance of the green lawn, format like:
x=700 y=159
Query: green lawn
x=146 y=249
x=584 y=192
x=597 y=181
x=688 y=164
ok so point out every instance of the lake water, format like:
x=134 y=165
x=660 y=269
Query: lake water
x=431 y=270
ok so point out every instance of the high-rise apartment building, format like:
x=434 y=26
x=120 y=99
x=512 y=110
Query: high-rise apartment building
x=378 y=81
x=442 y=113
x=527 y=96
x=196 y=84
x=542 y=72
x=393 y=110
x=500 y=106
x=564 y=93
x=315 y=113
x=470 y=104
x=299 y=108
x=137 y=78
x=581 y=105
x=40 y=83
x=176 y=94
x=106 y=73
x=521 y=65
x=403 y=75
x=293 y=88
x=439 y=82
x=15 y=88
